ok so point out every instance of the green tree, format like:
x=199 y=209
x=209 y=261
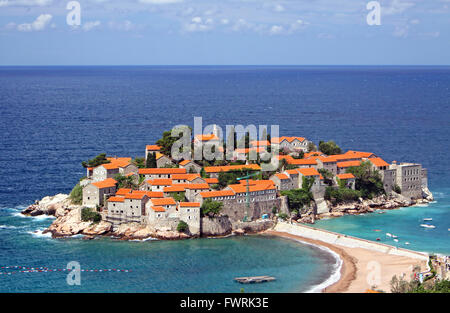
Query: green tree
x=327 y=176
x=167 y=141
x=329 y=147
x=151 y=160
x=211 y=208
x=98 y=160
x=76 y=195
x=368 y=180
x=125 y=181
x=139 y=162
x=87 y=214
x=182 y=227
x=311 y=147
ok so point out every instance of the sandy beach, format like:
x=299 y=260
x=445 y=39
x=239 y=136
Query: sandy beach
x=359 y=267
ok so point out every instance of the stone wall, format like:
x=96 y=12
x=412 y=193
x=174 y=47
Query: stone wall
x=215 y=226
x=237 y=211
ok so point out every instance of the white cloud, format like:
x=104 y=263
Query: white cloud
x=278 y=8
x=4 y=3
x=90 y=25
x=276 y=29
x=39 y=24
x=396 y=7
x=198 y=25
x=122 y=26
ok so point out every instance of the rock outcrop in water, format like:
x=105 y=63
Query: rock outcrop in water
x=383 y=202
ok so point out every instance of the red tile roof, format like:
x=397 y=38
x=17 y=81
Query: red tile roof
x=211 y=180
x=122 y=191
x=309 y=171
x=161 y=171
x=152 y=148
x=175 y=188
x=107 y=183
x=348 y=164
x=163 y=201
x=240 y=188
x=378 y=162
x=282 y=176
x=345 y=176
x=220 y=193
x=190 y=204
x=158 y=209
x=227 y=168
x=160 y=182
x=206 y=137
x=135 y=195
x=116 y=199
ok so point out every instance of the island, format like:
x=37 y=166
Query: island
x=157 y=196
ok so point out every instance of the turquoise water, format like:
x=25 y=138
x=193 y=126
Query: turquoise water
x=199 y=265
x=403 y=222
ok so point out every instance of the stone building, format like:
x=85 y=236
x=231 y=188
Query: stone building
x=190 y=166
x=262 y=199
x=348 y=178
x=151 y=149
x=214 y=171
x=409 y=179
x=154 y=173
x=190 y=213
x=294 y=144
x=163 y=161
x=282 y=181
x=94 y=194
x=110 y=170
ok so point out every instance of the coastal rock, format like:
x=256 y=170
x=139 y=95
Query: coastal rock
x=253 y=226
x=68 y=225
x=426 y=194
x=48 y=205
x=97 y=229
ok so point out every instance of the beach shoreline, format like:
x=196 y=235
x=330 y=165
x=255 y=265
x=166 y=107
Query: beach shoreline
x=358 y=267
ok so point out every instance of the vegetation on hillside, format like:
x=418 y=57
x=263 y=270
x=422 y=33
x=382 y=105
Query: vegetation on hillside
x=76 y=195
x=211 y=208
x=125 y=181
x=139 y=162
x=151 y=160
x=182 y=227
x=368 y=180
x=299 y=198
x=87 y=214
x=167 y=141
x=329 y=147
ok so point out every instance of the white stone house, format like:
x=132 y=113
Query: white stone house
x=190 y=166
x=95 y=193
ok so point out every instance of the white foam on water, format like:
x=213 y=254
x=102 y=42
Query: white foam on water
x=336 y=272
x=38 y=234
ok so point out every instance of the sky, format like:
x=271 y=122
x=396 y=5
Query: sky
x=225 y=32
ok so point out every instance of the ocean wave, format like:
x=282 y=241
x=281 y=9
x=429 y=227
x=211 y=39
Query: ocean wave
x=38 y=234
x=10 y=227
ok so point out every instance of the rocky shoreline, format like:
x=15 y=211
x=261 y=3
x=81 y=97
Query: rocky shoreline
x=68 y=223
x=380 y=203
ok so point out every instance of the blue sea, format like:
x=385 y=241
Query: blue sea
x=52 y=118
